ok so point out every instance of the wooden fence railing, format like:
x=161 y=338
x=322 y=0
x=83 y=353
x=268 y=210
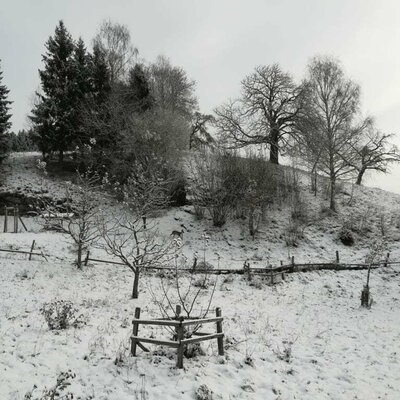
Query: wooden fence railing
x=269 y=271
x=14 y=212
x=31 y=252
x=178 y=323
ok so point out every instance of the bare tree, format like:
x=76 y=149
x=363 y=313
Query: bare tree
x=327 y=123
x=79 y=216
x=265 y=113
x=373 y=151
x=171 y=88
x=199 y=134
x=137 y=246
x=115 y=41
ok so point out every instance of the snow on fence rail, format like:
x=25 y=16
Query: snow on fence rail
x=178 y=323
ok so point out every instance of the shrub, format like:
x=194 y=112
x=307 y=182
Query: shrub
x=346 y=236
x=203 y=392
x=293 y=233
x=57 y=392
x=61 y=314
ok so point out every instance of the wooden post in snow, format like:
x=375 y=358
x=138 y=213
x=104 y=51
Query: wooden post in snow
x=32 y=247
x=386 y=260
x=337 y=257
x=16 y=219
x=5 y=219
x=180 y=336
x=220 y=340
x=135 y=332
x=87 y=259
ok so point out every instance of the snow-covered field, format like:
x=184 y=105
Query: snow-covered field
x=305 y=338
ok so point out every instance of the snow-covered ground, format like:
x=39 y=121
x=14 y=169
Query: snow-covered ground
x=334 y=348
x=305 y=338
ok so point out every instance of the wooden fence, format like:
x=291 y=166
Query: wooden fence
x=14 y=213
x=269 y=271
x=31 y=252
x=178 y=323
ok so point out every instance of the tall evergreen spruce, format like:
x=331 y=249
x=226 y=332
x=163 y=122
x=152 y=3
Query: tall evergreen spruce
x=5 y=116
x=100 y=78
x=81 y=90
x=54 y=113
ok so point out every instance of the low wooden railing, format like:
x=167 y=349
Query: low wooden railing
x=178 y=323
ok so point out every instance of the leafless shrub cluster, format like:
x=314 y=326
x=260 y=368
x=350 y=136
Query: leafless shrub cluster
x=61 y=314
x=226 y=184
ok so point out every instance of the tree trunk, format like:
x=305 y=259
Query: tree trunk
x=135 y=289
x=360 y=176
x=333 y=194
x=61 y=156
x=274 y=146
x=79 y=262
x=251 y=222
x=144 y=218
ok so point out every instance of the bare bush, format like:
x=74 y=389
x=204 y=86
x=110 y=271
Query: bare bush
x=186 y=296
x=61 y=314
x=78 y=217
x=58 y=391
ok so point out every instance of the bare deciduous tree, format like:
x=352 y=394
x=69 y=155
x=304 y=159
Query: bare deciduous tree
x=79 y=219
x=115 y=41
x=265 y=113
x=137 y=246
x=199 y=134
x=373 y=151
x=171 y=88
x=327 y=121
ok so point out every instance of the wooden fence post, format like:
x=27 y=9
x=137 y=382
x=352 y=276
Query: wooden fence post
x=23 y=223
x=220 y=340
x=30 y=254
x=292 y=263
x=337 y=256
x=135 y=332
x=87 y=258
x=16 y=218
x=180 y=337
x=5 y=219
x=271 y=276
x=386 y=260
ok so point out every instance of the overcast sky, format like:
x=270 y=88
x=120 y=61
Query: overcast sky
x=218 y=42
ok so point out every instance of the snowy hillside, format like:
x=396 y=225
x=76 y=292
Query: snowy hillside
x=304 y=338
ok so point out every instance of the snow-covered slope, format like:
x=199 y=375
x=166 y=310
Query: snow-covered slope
x=305 y=338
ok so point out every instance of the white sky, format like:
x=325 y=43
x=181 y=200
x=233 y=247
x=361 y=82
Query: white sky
x=218 y=42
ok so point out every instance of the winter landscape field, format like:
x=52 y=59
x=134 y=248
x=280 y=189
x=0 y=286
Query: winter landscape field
x=199 y=200
x=306 y=337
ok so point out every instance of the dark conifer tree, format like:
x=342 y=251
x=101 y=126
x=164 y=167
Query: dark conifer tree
x=5 y=116
x=100 y=79
x=53 y=115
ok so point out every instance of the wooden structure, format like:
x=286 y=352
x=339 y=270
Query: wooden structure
x=179 y=323
x=12 y=213
x=31 y=252
x=275 y=274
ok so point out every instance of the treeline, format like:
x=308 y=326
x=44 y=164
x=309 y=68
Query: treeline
x=132 y=120
x=113 y=110
x=317 y=121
